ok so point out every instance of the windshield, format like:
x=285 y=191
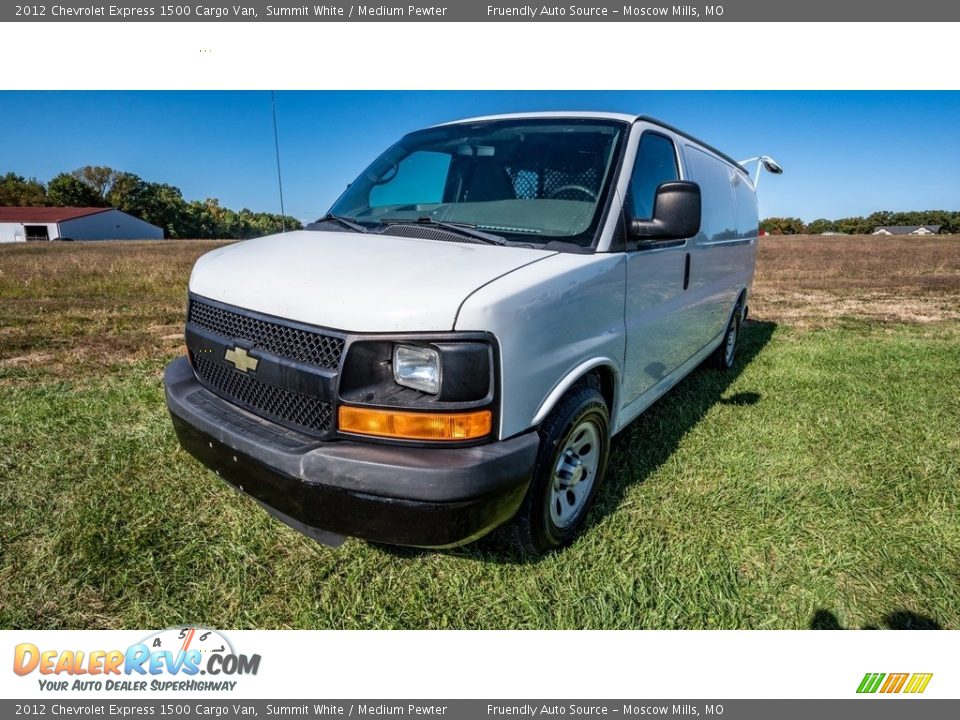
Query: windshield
x=533 y=180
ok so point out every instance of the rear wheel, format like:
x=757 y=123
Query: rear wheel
x=726 y=354
x=570 y=465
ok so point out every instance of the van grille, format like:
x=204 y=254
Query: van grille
x=304 y=346
x=288 y=407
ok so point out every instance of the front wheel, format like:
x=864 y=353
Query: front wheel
x=570 y=465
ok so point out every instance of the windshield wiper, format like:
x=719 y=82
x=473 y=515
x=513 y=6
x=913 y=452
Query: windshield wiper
x=340 y=219
x=464 y=229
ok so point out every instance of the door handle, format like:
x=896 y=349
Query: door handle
x=686 y=271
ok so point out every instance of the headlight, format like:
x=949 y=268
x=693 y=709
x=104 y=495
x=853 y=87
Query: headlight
x=417 y=367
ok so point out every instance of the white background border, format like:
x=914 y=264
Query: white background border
x=467 y=56
x=513 y=664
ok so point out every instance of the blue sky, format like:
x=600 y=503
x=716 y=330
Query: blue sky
x=844 y=153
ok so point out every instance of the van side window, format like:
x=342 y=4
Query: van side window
x=656 y=163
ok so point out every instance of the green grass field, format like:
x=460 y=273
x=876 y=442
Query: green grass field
x=817 y=486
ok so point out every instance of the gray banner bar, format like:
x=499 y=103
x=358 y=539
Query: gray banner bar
x=487 y=10
x=869 y=708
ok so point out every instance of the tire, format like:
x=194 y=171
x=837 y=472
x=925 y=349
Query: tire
x=725 y=356
x=570 y=466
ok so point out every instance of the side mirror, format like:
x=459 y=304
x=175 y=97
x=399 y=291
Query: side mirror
x=676 y=213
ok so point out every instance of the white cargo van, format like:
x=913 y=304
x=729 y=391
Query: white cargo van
x=451 y=349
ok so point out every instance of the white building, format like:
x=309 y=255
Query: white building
x=19 y=224
x=907 y=230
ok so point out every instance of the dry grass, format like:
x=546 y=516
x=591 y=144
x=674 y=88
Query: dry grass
x=68 y=309
x=814 y=280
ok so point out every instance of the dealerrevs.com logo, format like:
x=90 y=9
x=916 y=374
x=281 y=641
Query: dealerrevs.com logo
x=173 y=659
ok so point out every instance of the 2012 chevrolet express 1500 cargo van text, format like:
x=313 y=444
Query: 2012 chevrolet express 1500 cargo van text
x=451 y=349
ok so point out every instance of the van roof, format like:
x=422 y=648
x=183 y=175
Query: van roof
x=556 y=114
x=592 y=115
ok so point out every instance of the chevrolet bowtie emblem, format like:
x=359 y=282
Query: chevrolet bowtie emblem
x=243 y=362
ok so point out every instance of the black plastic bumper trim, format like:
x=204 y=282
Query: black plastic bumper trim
x=407 y=496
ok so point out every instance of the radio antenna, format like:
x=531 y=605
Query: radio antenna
x=276 y=147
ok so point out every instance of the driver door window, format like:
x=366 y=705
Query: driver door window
x=656 y=163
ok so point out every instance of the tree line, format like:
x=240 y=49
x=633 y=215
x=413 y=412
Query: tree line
x=163 y=205
x=948 y=220
x=157 y=203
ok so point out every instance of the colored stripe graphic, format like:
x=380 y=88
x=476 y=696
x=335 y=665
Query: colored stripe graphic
x=894 y=682
x=918 y=682
x=870 y=682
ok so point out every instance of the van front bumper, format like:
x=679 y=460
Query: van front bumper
x=424 y=497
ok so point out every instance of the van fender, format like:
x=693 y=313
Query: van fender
x=571 y=379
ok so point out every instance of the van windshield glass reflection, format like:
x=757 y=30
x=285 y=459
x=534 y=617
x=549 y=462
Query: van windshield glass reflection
x=531 y=181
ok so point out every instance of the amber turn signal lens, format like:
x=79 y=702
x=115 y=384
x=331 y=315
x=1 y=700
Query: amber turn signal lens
x=415 y=425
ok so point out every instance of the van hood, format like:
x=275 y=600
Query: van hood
x=355 y=282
